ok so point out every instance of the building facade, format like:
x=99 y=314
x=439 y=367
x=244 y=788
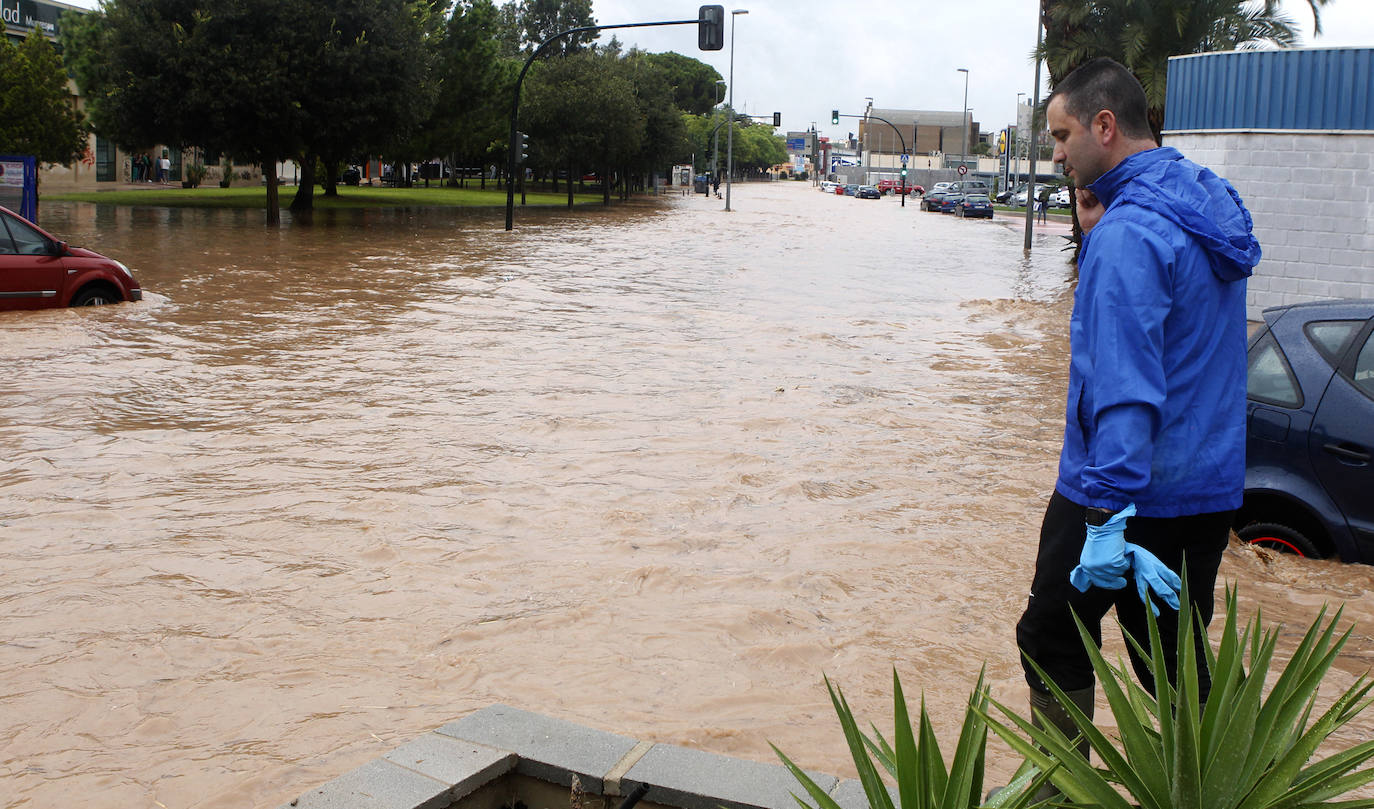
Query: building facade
x=1293 y=131
x=884 y=132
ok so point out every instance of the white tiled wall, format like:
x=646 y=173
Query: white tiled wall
x=1312 y=198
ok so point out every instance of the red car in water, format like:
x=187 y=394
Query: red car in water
x=40 y=271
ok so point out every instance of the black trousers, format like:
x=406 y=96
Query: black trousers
x=1046 y=632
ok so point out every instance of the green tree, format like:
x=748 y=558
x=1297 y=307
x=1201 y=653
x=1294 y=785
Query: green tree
x=581 y=112
x=1143 y=34
x=37 y=113
x=541 y=19
x=370 y=83
x=692 y=80
x=271 y=79
x=472 y=107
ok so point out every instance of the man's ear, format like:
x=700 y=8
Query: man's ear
x=1104 y=126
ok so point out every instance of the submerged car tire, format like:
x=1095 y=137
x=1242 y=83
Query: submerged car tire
x=94 y=296
x=1279 y=538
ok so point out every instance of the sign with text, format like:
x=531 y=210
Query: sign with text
x=22 y=16
x=19 y=184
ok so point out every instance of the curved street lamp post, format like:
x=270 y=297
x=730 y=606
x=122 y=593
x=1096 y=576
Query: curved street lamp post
x=730 y=135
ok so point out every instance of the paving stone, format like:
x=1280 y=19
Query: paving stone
x=693 y=779
x=463 y=765
x=850 y=795
x=378 y=784
x=549 y=749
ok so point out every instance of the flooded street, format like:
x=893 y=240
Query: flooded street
x=653 y=469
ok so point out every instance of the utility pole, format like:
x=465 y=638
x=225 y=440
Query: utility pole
x=1031 y=146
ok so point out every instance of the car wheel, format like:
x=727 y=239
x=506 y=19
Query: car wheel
x=1279 y=538
x=93 y=296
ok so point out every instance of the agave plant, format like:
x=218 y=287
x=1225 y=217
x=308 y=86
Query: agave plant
x=1241 y=750
x=916 y=764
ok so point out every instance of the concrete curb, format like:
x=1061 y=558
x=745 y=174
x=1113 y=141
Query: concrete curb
x=499 y=754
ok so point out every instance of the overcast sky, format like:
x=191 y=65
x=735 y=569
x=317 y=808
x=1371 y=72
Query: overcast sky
x=804 y=58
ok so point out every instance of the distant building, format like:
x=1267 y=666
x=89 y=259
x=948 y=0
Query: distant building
x=1293 y=131
x=924 y=132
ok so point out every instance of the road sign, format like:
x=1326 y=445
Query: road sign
x=963 y=170
x=904 y=157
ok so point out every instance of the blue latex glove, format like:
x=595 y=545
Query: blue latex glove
x=1103 y=561
x=1152 y=574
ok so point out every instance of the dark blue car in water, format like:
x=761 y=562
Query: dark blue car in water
x=1309 y=476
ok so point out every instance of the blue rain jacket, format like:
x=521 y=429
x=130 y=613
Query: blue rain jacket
x=1156 y=404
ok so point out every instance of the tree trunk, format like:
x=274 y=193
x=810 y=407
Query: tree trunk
x=606 y=186
x=572 y=169
x=305 y=192
x=331 y=178
x=269 y=175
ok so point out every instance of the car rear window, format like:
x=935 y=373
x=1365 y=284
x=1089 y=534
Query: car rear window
x=1331 y=337
x=1268 y=377
x=1364 y=367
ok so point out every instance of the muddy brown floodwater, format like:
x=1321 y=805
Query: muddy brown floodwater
x=654 y=469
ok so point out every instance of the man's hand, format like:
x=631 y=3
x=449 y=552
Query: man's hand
x=1089 y=208
x=1103 y=561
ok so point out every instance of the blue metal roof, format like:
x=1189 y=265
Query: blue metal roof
x=1291 y=89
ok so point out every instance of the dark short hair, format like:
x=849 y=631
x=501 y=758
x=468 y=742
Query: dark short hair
x=1102 y=84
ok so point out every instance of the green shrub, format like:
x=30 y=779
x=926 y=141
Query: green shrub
x=1242 y=750
x=916 y=763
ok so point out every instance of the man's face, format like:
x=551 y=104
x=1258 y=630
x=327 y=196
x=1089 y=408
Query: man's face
x=1078 y=147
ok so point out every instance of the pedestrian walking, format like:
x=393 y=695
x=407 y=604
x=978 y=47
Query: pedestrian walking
x=1042 y=204
x=164 y=168
x=1153 y=458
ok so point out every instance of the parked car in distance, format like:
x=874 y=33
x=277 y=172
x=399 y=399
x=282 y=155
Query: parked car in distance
x=1061 y=198
x=868 y=192
x=931 y=201
x=897 y=187
x=850 y=189
x=973 y=206
x=948 y=200
x=40 y=271
x=1007 y=195
x=971 y=187
x=828 y=187
x=1309 y=466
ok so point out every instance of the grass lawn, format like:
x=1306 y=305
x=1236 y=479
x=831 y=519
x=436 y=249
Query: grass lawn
x=349 y=197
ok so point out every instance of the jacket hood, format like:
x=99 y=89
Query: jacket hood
x=1191 y=196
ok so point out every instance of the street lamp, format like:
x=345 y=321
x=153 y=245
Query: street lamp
x=963 y=144
x=1019 y=96
x=715 y=138
x=730 y=136
x=867 y=133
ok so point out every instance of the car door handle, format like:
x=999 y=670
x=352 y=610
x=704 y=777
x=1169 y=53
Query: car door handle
x=1346 y=453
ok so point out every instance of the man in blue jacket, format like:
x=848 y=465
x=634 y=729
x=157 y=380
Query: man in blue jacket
x=1153 y=460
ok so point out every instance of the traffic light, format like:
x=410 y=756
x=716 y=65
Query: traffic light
x=711 y=28
x=522 y=145
x=834 y=116
x=903 y=172
x=777 y=119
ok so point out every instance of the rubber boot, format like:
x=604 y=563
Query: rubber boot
x=1045 y=708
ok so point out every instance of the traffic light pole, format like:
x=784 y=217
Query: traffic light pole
x=511 y=162
x=836 y=115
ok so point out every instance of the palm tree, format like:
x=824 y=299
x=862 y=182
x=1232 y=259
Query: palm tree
x=1143 y=34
